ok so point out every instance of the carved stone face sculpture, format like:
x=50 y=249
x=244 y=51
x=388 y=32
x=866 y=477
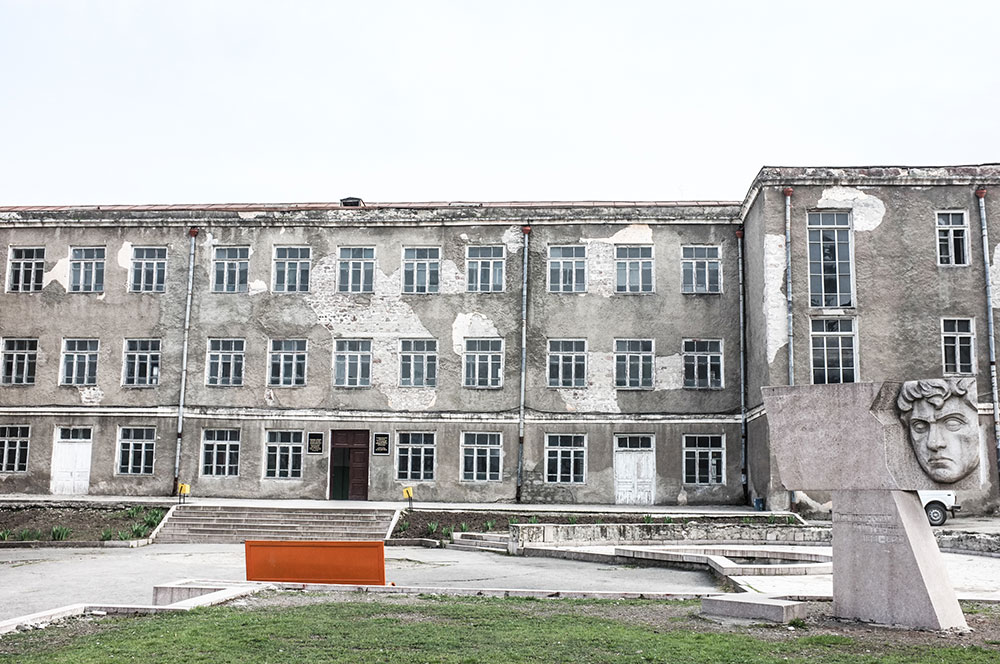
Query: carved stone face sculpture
x=942 y=420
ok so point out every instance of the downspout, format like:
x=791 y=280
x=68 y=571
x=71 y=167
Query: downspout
x=525 y=232
x=787 y=191
x=192 y=233
x=981 y=195
x=744 y=475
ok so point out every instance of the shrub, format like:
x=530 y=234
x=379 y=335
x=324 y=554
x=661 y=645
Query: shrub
x=153 y=517
x=402 y=526
x=647 y=518
x=511 y=521
x=124 y=535
x=6 y=534
x=139 y=530
x=464 y=527
x=446 y=532
x=432 y=527
x=134 y=511
x=667 y=519
x=107 y=534
x=26 y=534
x=60 y=533
x=572 y=519
x=533 y=519
x=488 y=526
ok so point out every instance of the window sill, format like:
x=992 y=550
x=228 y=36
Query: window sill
x=282 y=479
x=417 y=387
x=285 y=387
x=218 y=386
x=17 y=384
x=651 y=388
x=721 y=388
x=634 y=294
x=564 y=387
x=352 y=387
x=702 y=293
x=139 y=387
x=482 y=387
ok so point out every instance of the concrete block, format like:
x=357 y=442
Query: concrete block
x=752 y=606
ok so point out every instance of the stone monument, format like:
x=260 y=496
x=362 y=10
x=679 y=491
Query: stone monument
x=873 y=446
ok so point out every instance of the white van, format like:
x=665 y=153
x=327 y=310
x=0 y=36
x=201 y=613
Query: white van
x=937 y=504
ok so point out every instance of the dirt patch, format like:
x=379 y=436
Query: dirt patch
x=89 y=523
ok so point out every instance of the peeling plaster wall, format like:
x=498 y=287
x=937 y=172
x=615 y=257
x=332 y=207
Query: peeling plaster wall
x=867 y=211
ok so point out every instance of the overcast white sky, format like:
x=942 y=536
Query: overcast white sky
x=291 y=101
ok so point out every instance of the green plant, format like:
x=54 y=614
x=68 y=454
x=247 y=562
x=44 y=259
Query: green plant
x=134 y=511
x=772 y=519
x=402 y=526
x=791 y=520
x=464 y=527
x=139 y=530
x=124 y=535
x=107 y=534
x=667 y=519
x=798 y=623
x=746 y=519
x=6 y=534
x=153 y=517
x=572 y=519
x=432 y=527
x=488 y=526
x=60 y=533
x=446 y=532
x=599 y=522
x=533 y=519
x=511 y=521
x=647 y=518
x=26 y=534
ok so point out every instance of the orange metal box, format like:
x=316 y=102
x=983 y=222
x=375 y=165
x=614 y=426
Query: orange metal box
x=361 y=563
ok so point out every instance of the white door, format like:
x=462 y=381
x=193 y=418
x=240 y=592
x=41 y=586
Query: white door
x=71 y=461
x=635 y=470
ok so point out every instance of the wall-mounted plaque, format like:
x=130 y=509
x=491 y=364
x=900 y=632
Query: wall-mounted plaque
x=315 y=443
x=380 y=443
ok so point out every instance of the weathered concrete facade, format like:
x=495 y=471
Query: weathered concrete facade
x=647 y=300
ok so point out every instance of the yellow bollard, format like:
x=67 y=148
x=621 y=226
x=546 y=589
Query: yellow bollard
x=408 y=494
x=183 y=491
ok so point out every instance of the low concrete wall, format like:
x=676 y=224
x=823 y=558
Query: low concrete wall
x=981 y=544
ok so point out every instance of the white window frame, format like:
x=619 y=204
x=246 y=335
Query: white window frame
x=33 y=268
x=423 y=445
x=148 y=359
x=364 y=265
x=93 y=357
x=958 y=336
x=344 y=356
x=89 y=269
x=146 y=446
x=560 y=449
x=696 y=358
x=699 y=267
x=566 y=362
x=302 y=269
x=949 y=231
x=15 y=449
x=152 y=271
x=697 y=452
x=556 y=266
x=431 y=267
x=644 y=357
x=427 y=358
x=293 y=448
x=853 y=334
x=225 y=357
x=288 y=360
x=235 y=269
x=228 y=445
x=628 y=436
x=624 y=267
x=473 y=359
x=472 y=451
x=23 y=362
x=822 y=295
x=474 y=269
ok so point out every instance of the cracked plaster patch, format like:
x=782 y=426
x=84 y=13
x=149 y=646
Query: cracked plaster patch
x=91 y=396
x=601 y=270
x=124 y=256
x=59 y=273
x=867 y=211
x=513 y=238
x=775 y=305
x=471 y=325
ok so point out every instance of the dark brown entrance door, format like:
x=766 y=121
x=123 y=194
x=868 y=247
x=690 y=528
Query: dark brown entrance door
x=349 y=464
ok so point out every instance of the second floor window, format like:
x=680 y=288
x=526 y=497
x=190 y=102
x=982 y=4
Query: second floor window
x=831 y=283
x=567 y=269
x=352 y=363
x=634 y=360
x=958 y=344
x=357 y=270
x=833 y=359
x=19 y=358
x=142 y=362
x=421 y=269
x=567 y=363
x=225 y=361
x=149 y=270
x=418 y=362
x=80 y=361
x=634 y=269
x=952 y=237
x=27 y=267
x=702 y=363
x=291 y=269
x=231 y=270
x=701 y=270
x=288 y=363
x=483 y=362
x=485 y=266
x=86 y=270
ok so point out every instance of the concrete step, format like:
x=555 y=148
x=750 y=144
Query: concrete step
x=483 y=537
x=470 y=547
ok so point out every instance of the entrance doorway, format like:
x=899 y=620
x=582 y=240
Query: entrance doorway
x=635 y=470
x=349 y=464
x=71 y=460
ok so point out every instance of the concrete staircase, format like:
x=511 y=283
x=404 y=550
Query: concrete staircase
x=491 y=542
x=233 y=524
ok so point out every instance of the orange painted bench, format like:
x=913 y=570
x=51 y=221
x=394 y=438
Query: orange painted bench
x=361 y=563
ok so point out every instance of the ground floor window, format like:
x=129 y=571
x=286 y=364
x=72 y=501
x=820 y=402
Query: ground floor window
x=565 y=457
x=704 y=460
x=481 y=456
x=135 y=450
x=415 y=456
x=284 y=454
x=14 y=449
x=221 y=452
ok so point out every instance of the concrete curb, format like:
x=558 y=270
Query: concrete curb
x=77 y=544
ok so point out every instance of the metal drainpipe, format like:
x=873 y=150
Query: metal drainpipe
x=744 y=475
x=192 y=233
x=525 y=232
x=981 y=195
x=787 y=191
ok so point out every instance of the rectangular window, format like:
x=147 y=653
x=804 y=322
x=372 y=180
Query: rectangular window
x=958 y=345
x=79 y=361
x=634 y=269
x=14 y=449
x=86 y=270
x=634 y=361
x=483 y=362
x=231 y=269
x=421 y=269
x=27 y=267
x=481 y=456
x=283 y=455
x=288 y=363
x=567 y=269
x=225 y=362
x=485 y=267
x=830 y=275
x=952 y=236
x=701 y=270
x=149 y=270
x=418 y=362
x=704 y=460
x=357 y=270
x=135 y=450
x=633 y=442
x=415 y=456
x=142 y=362
x=703 y=363
x=833 y=357
x=19 y=359
x=221 y=452
x=291 y=269
x=565 y=458
x=567 y=362
x=352 y=363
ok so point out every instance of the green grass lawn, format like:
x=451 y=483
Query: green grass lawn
x=446 y=630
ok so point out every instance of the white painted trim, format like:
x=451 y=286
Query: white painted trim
x=965 y=226
x=274 y=268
